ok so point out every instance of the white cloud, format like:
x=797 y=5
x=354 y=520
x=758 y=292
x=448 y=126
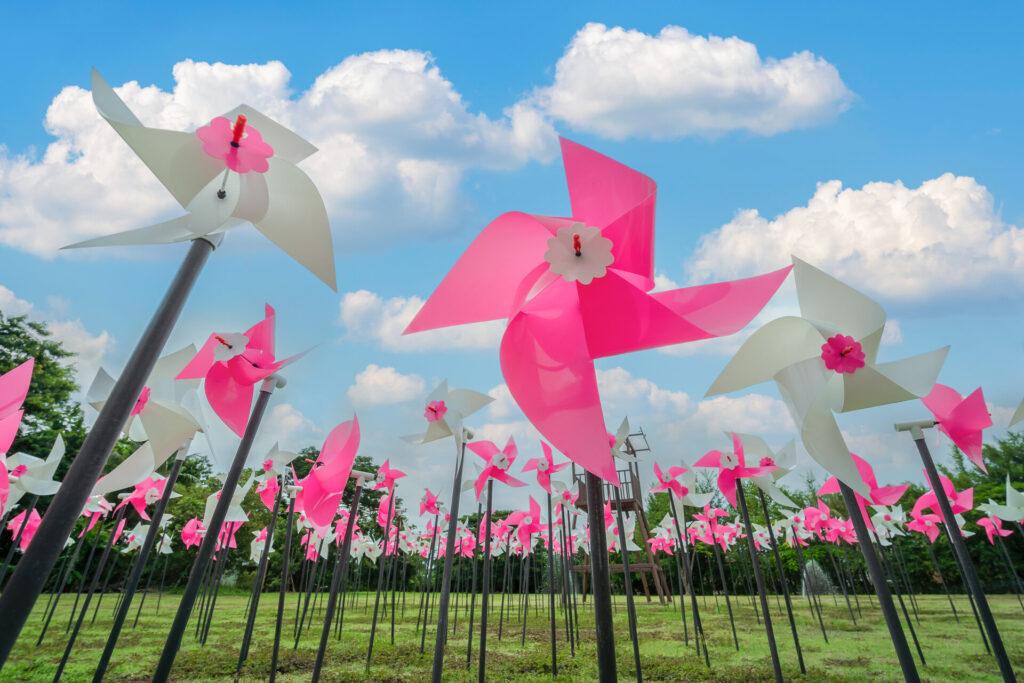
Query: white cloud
x=623 y=83
x=751 y=413
x=367 y=316
x=619 y=387
x=503 y=404
x=395 y=139
x=912 y=244
x=377 y=386
x=289 y=427
x=11 y=305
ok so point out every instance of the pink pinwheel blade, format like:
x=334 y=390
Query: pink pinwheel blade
x=9 y=429
x=203 y=360
x=261 y=335
x=482 y=284
x=230 y=399
x=14 y=386
x=549 y=372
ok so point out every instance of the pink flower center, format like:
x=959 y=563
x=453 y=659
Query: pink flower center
x=18 y=471
x=843 y=354
x=141 y=401
x=767 y=462
x=268 y=464
x=435 y=411
x=887 y=518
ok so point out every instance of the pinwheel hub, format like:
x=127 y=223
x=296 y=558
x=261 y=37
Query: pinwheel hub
x=579 y=253
x=240 y=146
x=843 y=354
x=141 y=401
x=435 y=411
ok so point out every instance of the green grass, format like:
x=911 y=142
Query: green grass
x=857 y=652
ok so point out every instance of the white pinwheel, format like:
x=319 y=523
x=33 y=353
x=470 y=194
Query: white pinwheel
x=1012 y=510
x=159 y=416
x=889 y=522
x=32 y=475
x=135 y=537
x=164 y=546
x=445 y=411
x=219 y=194
x=235 y=513
x=620 y=442
x=824 y=361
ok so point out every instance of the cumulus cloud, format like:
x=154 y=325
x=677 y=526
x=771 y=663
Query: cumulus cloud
x=620 y=387
x=366 y=316
x=622 y=83
x=395 y=139
x=911 y=244
x=377 y=386
x=289 y=427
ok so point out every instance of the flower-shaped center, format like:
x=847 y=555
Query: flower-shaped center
x=230 y=345
x=268 y=465
x=887 y=517
x=843 y=354
x=767 y=462
x=381 y=476
x=729 y=461
x=141 y=401
x=239 y=146
x=18 y=471
x=435 y=411
x=683 y=491
x=500 y=461
x=579 y=253
x=542 y=465
x=151 y=496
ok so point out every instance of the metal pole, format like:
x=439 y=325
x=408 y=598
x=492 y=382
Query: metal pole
x=759 y=581
x=782 y=580
x=446 y=578
x=140 y=564
x=380 y=577
x=602 y=588
x=551 y=586
x=27 y=581
x=17 y=538
x=628 y=581
x=209 y=544
x=285 y=557
x=486 y=587
x=260 y=579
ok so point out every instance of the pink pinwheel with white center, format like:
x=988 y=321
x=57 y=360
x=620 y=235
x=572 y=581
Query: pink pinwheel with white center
x=576 y=289
x=731 y=468
x=527 y=523
x=818 y=519
x=961 y=419
x=959 y=501
x=192 y=533
x=29 y=530
x=669 y=481
x=497 y=463
x=146 y=492
x=274 y=465
x=544 y=466
x=926 y=523
x=226 y=537
x=96 y=508
x=879 y=495
x=428 y=504
x=384 y=510
x=386 y=477
x=993 y=527
x=13 y=390
x=238 y=169
x=232 y=364
x=322 y=489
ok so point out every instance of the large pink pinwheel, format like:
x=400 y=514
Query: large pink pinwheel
x=13 y=390
x=322 y=488
x=232 y=365
x=880 y=495
x=527 y=523
x=497 y=464
x=576 y=289
x=544 y=466
x=731 y=468
x=961 y=419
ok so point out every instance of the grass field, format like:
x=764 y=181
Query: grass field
x=857 y=652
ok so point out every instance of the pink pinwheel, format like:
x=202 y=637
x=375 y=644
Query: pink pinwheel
x=428 y=504
x=267 y=491
x=714 y=532
x=527 y=523
x=731 y=468
x=386 y=477
x=926 y=523
x=240 y=147
x=577 y=289
x=96 y=508
x=663 y=544
x=13 y=390
x=818 y=519
x=961 y=502
x=226 y=537
x=323 y=487
x=840 y=530
x=30 y=527
x=146 y=492
x=961 y=419
x=232 y=364
x=669 y=482
x=465 y=545
x=341 y=528
x=192 y=533
x=993 y=527
x=544 y=466
x=880 y=495
x=497 y=462
x=383 y=510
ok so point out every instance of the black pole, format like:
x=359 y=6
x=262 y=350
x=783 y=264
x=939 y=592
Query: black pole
x=209 y=543
x=892 y=620
x=446 y=578
x=602 y=589
x=965 y=561
x=699 y=638
x=782 y=580
x=627 y=580
x=27 y=581
x=285 y=561
x=380 y=577
x=472 y=593
x=258 y=581
x=725 y=589
x=138 y=567
x=942 y=580
x=759 y=582
x=551 y=586
x=338 y=579
x=486 y=587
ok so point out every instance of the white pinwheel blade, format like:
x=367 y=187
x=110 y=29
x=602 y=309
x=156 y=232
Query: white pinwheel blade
x=754 y=447
x=466 y=401
x=296 y=220
x=175 y=158
x=175 y=230
x=893 y=382
x=128 y=472
x=837 y=307
x=778 y=344
x=774 y=492
x=804 y=388
x=167 y=429
x=100 y=389
x=1018 y=415
x=287 y=144
x=698 y=500
x=162 y=380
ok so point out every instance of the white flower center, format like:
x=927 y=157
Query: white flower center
x=231 y=345
x=500 y=461
x=542 y=466
x=730 y=461
x=579 y=253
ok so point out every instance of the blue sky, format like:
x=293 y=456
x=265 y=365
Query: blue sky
x=885 y=100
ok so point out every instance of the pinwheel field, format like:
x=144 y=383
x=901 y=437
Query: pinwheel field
x=511 y=342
